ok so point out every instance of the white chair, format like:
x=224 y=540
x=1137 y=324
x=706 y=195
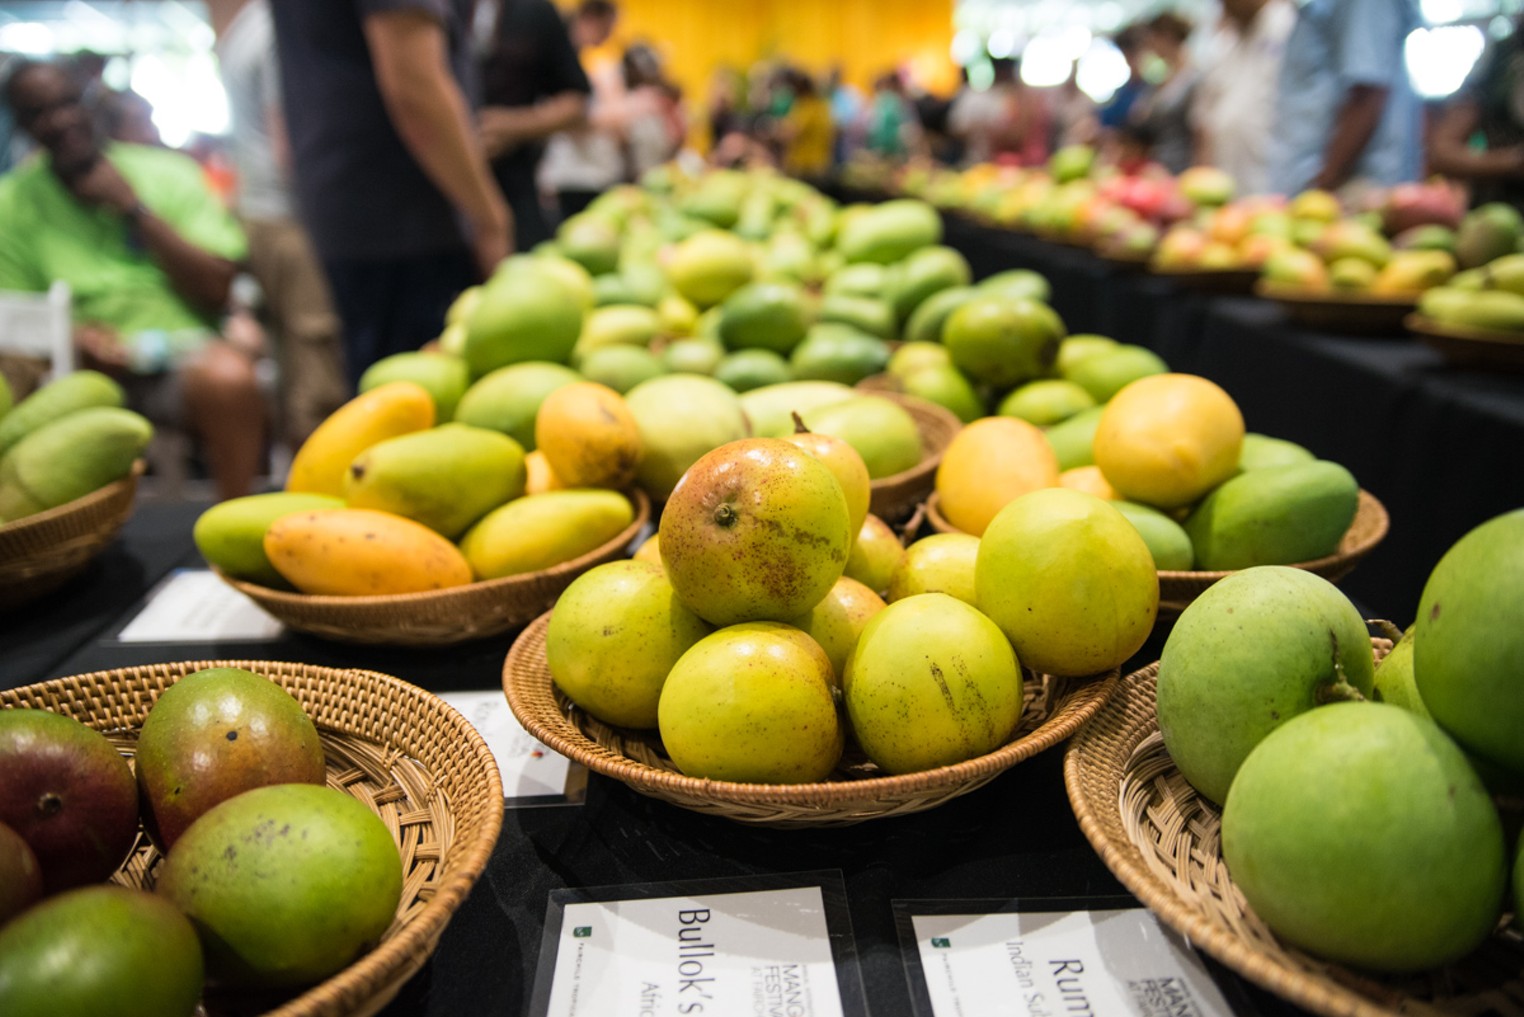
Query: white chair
x=39 y=325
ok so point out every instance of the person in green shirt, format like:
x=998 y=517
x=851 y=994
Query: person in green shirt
x=149 y=255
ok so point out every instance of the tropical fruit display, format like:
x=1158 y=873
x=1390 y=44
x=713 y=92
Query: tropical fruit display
x=1168 y=450
x=1360 y=802
x=773 y=624
x=67 y=439
x=269 y=879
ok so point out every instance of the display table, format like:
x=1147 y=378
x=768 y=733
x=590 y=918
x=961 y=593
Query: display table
x=1016 y=838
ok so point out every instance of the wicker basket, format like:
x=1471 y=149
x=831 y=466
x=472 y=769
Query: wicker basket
x=896 y=496
x=438 y=617
x=1161 y=840
x=399 y=749
x=40 y=553
x=857 y=791
x=1347 y=313
x=1178 y=589
x=1482 y=349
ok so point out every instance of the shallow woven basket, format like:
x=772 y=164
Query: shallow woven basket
x=1347 y=313
x=1160 y=839
x=402 y=751
x=1483 y=349
x=439 y=617
x=897 y=495
x=1178 y=589
x=40 y=553
x=1054 y=708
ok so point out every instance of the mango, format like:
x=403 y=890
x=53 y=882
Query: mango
x=940 y=563
x=1358 y=832
x=876 y=554
x=866 y=314
x=692 y=356
x=839 y=354
x=865 y=279
x=889 y=231
x=1068 y=580
x=446 y=478
x=589 y=436
x=1002 y=342
x=231 y=534
x=621 y=368
x=509 y=398
x=917 y=355
x=69 y=457
x=62 y=396
x=615 y=325
x=927 y=320
x=987 y=465
x=1077 y=347
x=770 y=409
x=214 y=734
x=1468 y=643
x=923 y=273
x=745 y=370
x=616 y=632
x=1017 y=284
x=845 y=465
x=1167 y=439
x=1487 y=232
x=945 y=385
x=362 y=552
x=764 y=315
x=931 y=683
x=1279 y=515
x=1166 y=540
x=322 y=461
x=20 y=875
x=590 y=241
x=443 y=376
x=1498 y=310
x=1414 y=272
x=1073 y=440
x=1045 y=402
x=883 y=432
x=681 y=417
x=525 y=314
x=1254 y=650
x=541 y=530
x=7 y=397
x=1260 y=450
x=1105 y=374
x=752 y=703
x=100 y=951
x=708 y=266
x=287 y=884
x=838 y=620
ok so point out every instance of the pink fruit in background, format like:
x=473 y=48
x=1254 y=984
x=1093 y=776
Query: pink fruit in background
x=1409 y=205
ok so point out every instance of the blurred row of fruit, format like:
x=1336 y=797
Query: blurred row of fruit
x=1398 y=243
x=67 y=439
x=263 y=878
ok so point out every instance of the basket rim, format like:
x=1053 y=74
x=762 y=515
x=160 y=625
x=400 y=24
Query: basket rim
x=1368 y=503
x=565 y=739
x=285 y=598
x=1424 y=325
x=413 y=943
x=1285 y=293
x=930 y=458
x=116 y=489
x=1124 y=858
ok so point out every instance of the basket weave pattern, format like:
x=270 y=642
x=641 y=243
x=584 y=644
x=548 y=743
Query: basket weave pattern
x=896 y=496
x=40 y=553
x=1161 y=840
x=439 y=617
x=402 y=751
x=1053 y=709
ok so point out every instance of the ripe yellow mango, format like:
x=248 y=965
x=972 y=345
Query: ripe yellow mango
x=396 y=408
x=589 y=436
x=362 y=552
x=541 y=530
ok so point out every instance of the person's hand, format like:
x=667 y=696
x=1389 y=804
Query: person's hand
x=492 y=241
x=103 y=184
x=498 y=128
x=101 y=349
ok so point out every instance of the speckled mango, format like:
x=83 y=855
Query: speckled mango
x=359 y=552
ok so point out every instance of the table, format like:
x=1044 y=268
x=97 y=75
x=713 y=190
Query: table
x=1014 y=838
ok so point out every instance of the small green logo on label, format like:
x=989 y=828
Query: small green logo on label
x=582 y=931
x=941 y=942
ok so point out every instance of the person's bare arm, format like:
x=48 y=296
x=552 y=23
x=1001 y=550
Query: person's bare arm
x=201 y=278
x=425 y=105
x=504 y=128
x=1355 y=125
x=1450 y=154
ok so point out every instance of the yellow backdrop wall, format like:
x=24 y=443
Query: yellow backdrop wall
x=863 y=37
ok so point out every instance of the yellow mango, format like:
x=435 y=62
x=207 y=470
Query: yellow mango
x=362 y=552
x=588 y=435
x=541 y=530
x=387 y=411
x=539 y=477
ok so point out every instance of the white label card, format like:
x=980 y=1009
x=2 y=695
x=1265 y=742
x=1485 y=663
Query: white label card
x=529 y=769
x=194 y=606
x=727 y=954
x=1062 y=964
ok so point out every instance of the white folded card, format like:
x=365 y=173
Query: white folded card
x=529 y=769
x=194 y=606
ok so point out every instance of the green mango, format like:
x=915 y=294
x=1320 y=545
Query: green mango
x=7 y=397
x=508 y=399
x=887 y=232
x=924 y=273
x=542 y=530
x=770 y=408
x=445 y=478
x=883 y=432
x=1073 y=439
x=64 y=395
x=1167 y=541
x=441 y=375
x=70 y=457
x=231 y=534
x=839 y=354
x=1279 y=515
x=867 y=314
x=926 y=321
x=946 y=386
x=1260 y=451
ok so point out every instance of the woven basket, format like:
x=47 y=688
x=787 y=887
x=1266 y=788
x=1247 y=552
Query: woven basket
x=402 y=751
x=1347 y=313
x=1483 y=349
x=1160 y=839
x=438 y=617
x=897 y=495
x=40 y=553
x=1178 y=589
x=857 y=791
